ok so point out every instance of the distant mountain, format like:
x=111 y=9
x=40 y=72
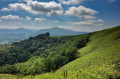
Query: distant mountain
x=12 y=35
x=55 y=31
x=20 y=30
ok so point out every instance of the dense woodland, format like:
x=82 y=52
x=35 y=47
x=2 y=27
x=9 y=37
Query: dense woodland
x=40 y=54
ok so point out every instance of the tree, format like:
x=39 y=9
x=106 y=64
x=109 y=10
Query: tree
x=47 y=34
x=48 y=64
x=71 y=53
x=59 y=61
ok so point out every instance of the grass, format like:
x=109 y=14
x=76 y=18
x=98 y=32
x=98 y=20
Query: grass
x=102 y=50
x=99 y=59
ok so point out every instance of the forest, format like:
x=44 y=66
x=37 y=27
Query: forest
x=39 y=54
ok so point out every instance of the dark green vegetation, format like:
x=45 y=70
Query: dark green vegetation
x=13 y=35
x=40 y=54
x=90 y=56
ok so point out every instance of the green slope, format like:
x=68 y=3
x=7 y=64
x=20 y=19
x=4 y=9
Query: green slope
x=100 y=56
x=99 y=59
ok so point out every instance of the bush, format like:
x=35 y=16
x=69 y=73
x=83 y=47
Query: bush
x=71 y=53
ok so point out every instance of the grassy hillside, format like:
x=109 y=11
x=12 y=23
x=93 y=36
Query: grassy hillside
x=99 y=59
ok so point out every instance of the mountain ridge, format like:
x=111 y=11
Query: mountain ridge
x=12 y=35
x=55 y=31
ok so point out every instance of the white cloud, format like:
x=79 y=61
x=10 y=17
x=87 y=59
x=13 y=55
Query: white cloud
x=56 y=21
x=8 y=27
x=5 y=9
x=74 y=28
x=24 y=0
x=92 y=21
x=86 y=17
x=37 y=28
x=50 y=8
x=110 y=1
x=67 y=2
x=82 y=23
x=101 y=24
x=98 y=22
x=81 y=12
x=15 y=23
x=19 y=6
x=12 y=17
x=28 y=18
x=18 y=0
x=82 y=29
x=66 y=27
x=18 y=25
x=39 y=19
x=8 y=0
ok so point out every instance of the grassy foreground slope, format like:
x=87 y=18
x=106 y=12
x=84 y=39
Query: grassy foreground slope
x=99 y=59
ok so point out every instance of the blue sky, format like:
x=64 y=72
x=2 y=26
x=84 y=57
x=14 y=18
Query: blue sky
x=77 y=15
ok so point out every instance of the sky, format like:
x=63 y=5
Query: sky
x=76 y=15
